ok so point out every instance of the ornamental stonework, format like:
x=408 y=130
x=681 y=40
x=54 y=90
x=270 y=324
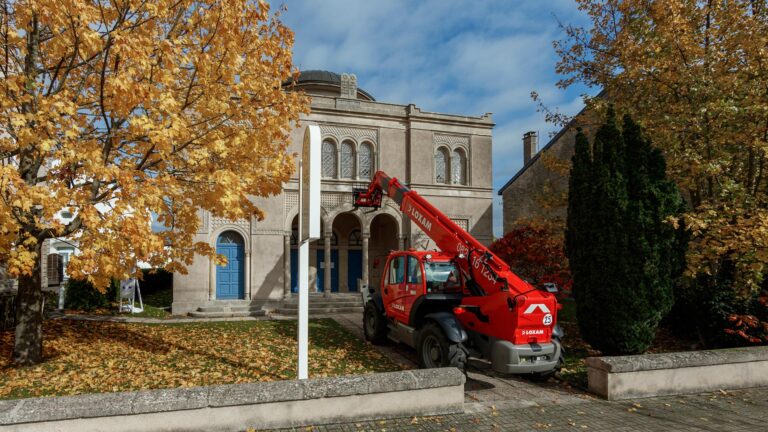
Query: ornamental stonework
x=357 y=134
x=217 y=222
x=462 y=223
x=451 y=141
x=330 y=201
x=291 y=201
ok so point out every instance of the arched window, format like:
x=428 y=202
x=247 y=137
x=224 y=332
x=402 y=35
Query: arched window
x=329 y=159
x=230 y=237
x=355 y=238
x=442 y=173
x=366 y=161
x=459 y=167
x=347 y=160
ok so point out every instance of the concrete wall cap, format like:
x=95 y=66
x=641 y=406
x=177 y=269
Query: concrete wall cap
x=676 y=360
x=162 y=400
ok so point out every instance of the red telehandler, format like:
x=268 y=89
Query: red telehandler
x=460 y=300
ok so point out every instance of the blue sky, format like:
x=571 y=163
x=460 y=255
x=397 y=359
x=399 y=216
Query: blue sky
x=451 y=56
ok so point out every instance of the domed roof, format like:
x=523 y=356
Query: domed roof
x=316 y=81
x=319 y=76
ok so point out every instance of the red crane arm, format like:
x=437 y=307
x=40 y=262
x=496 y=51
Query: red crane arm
x=486 y=269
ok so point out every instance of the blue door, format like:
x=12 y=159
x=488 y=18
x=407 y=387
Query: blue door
x=230 y=278
x=294 y=271
x=321 y=268
x=354 y=268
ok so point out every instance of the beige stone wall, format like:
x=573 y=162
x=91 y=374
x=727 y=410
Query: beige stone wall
x=540 y=191
x=405 y=139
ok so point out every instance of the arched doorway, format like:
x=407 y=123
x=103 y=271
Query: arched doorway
x=384 y=238
x=350 y=251
x=230 y=278
x=316 y=258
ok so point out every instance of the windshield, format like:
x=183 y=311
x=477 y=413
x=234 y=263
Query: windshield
x=441 y=276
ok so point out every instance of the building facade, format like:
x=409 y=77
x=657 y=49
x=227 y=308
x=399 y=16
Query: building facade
x=445 y=158
x=539 y=191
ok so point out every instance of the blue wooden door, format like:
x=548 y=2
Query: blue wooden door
x=294 y=271
x=354 y=268
x=321 y=268
x=230 y=278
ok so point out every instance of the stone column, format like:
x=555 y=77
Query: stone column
x=249 y=285
x=365 y=236
x=401 y=242
x=328 y=265
x=286 y=266
x=211 y=280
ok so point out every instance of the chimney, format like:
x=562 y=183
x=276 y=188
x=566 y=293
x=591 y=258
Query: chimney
x=348 y=86
x=530 y=141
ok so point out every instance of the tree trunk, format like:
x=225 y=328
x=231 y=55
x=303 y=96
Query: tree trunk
x=28 y=345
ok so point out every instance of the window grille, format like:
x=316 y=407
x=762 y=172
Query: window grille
x=441 y=166
x=347 y=160
x=329 y=159
x=366 y=161
x=459 y=168
x=230 y=237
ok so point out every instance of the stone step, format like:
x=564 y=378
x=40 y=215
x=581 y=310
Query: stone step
x=227 y=314
x=246 y=308
x=331 y=298
x=320 y=305
x=318 y=311
x=227 y=303
x=212 y=309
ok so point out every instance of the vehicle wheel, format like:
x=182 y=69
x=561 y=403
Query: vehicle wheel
x=435 y=350
x=543 y=376
x=374 y=324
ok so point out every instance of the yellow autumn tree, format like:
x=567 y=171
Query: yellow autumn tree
x=115 y=110
x=694 y=73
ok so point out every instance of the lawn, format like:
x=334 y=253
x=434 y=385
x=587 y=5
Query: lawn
x=90 y=357
x=157 y=304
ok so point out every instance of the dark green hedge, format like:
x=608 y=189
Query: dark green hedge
x=81 y=295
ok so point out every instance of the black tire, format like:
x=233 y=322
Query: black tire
x=374 y=324
x=435 y=350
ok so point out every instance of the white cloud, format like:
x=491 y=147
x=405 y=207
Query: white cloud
x=447 y=56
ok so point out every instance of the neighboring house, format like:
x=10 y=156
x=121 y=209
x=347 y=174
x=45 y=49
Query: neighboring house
x=539 y=191
x=446 y=158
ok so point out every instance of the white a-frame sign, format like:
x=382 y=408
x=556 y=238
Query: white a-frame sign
x=309 y=229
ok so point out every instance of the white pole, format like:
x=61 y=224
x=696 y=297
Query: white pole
x=303 y=286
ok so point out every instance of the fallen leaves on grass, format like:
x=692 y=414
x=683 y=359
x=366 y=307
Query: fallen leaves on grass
x=89 y=356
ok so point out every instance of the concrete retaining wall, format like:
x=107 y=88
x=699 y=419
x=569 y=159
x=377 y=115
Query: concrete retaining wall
x=628 y=377
x=240 y=406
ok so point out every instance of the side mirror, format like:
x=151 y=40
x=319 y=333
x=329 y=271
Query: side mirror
x=550 y=287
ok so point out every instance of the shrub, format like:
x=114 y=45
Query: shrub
x=711 y=310
x=622 y=252
x=156 y=279
x=536 y=254
x=81 y=295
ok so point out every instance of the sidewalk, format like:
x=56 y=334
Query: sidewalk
x=514 y=404
x=743 y=410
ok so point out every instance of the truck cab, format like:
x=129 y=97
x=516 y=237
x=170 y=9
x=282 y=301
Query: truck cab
x=412 y=276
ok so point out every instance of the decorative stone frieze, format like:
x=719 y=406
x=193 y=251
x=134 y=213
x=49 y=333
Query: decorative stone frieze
x=357 y=134
x=217 y=222
x=451 y=141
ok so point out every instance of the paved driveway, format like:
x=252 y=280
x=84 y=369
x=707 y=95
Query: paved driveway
x=514 y=404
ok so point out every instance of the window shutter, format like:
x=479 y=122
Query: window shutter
x=55 y=269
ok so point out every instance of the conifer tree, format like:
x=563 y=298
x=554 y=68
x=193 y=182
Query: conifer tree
x=619 y=244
